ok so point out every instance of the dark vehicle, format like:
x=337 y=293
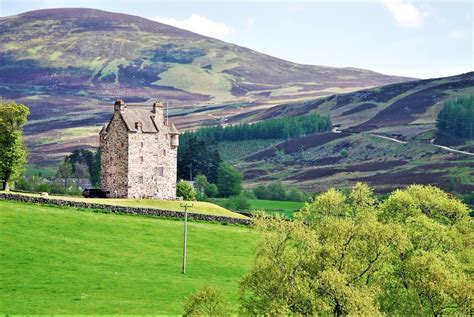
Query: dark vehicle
x=95 y=193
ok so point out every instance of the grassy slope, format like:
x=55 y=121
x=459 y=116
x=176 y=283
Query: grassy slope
x=198 y=206
x=61 y=261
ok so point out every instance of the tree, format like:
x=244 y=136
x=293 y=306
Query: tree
x=81 y=163
x=457 y=118
x=229 y=181
x=348 y=254
x=277 y=191
x=295 y=195
x=207 y=301
x=198 y=156
x=186 y=190
x=261 y=192
x=13 y=152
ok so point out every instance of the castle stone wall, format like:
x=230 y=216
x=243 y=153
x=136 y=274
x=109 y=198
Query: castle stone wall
x=114 y=158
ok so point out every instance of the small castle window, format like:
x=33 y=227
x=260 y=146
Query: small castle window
x=166 y=135
x=164 y=152
x=141 y=159
x=160 y=171
x=141 y=144
x=140 y=179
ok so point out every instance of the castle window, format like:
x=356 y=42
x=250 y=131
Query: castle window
x=141 y=159
x=160 y=171
x=140 y=179
x=164 y=152
x=141 y=144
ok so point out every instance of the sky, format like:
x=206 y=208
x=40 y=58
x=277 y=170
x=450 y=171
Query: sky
x=422 y=39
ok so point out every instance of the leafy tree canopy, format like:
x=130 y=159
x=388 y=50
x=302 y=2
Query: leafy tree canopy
x=13 y=152
x=350 y=254
x=229 y=181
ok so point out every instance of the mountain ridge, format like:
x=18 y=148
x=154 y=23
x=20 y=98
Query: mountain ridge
x=69 y=65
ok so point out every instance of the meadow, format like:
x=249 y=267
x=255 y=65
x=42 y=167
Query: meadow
x=286 y=208
x=71 y=261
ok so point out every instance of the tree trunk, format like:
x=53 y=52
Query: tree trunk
x=6 y=186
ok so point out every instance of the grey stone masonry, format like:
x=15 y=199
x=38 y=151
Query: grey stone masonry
x=139 y=153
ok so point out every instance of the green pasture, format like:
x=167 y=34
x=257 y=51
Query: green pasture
x=70 y=261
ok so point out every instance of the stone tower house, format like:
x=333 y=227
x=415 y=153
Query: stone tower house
x=139 y=153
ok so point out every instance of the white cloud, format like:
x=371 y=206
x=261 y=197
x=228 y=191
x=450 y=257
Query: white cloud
x=405 y=13
x=198 y=24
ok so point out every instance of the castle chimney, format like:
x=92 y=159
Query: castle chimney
x=158 y=111
x=120 y=105
x=157 y=106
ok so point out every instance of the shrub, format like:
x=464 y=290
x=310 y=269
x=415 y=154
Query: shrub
x=261 y=192
x=212 y=190
x=207 y=301
x=238 y=203
x=186 y=190
x=344 y=153
x=295 y=195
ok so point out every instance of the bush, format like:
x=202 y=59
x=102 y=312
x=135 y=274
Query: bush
x=344 y=153
x=207 y=301
x=212 y=190
x=235 y=203
x=261 y=192
x=186 y=190
x=248 y=194
x=295 y=195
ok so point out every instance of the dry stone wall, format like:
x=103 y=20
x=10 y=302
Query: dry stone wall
x=123 y=210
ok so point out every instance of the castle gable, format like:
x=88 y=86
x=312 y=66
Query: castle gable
x=142 y=117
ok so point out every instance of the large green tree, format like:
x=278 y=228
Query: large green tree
x=229 y=180
x=13 y=152
x=350 y=254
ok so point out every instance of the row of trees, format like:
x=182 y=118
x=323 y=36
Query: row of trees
x=350 y=254
x=457 y=118
x=281 y=128
x=229 y=183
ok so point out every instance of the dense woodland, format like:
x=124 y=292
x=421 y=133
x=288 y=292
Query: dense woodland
x=281 y=128
x=457 y=118
x=198 y=153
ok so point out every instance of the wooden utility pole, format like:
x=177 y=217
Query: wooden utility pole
x=185 y=206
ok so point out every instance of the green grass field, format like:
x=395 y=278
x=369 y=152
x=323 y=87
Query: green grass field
x=286 y=208
x=69 y=261
x=198 y=206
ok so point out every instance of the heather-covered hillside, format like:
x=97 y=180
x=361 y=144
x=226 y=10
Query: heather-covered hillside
x=69 y=65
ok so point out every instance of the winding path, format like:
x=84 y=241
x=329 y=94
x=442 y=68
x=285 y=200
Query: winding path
x=336 y=130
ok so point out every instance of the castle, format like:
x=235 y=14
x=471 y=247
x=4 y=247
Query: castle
x=139 y=153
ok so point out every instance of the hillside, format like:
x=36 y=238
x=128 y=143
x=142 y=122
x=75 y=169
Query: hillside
x=385 y=137
x=64 y=261
x=69 y=65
